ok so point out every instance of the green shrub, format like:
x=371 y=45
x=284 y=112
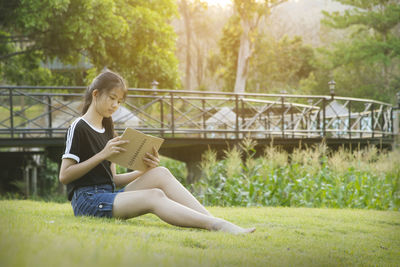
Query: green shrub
x=176 y=167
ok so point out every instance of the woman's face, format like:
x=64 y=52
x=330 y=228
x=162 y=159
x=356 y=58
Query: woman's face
x=108 y=103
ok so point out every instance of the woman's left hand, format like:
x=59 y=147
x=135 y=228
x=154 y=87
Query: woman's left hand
x=152 y=160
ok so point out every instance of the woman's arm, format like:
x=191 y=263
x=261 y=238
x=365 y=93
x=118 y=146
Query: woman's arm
x=71 y=170
x=123 y=179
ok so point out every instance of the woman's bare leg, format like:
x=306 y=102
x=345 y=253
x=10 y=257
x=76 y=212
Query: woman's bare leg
x=163 y=179
x=134 y=203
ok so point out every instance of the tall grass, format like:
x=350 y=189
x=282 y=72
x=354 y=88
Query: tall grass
x=313 y=177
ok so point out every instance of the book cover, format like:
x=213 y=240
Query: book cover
x=139 y=144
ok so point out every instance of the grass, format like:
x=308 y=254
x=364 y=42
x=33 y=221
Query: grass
x=29 y=112
x=47 y=234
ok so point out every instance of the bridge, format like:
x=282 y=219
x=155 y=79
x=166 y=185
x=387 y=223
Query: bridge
x=33 y=120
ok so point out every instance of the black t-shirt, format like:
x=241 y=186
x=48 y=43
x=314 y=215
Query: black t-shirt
x=82 y=142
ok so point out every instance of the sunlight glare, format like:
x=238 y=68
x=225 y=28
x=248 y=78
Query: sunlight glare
x=229 y=2
x=219 y=2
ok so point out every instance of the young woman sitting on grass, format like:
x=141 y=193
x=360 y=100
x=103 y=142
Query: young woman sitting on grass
x=91 y=178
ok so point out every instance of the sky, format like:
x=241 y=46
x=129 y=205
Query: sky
x=226 y=2
x=218 y=2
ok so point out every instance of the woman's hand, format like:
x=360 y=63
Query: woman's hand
x=113 y=147
x=152 y=160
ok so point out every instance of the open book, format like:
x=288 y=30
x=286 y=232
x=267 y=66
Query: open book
x=139 y=144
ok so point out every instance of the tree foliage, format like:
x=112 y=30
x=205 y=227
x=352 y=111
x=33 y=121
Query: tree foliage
x=192 y=13
x=225 y=62
x=131 y=37
x=280 y=65
x=366 y=64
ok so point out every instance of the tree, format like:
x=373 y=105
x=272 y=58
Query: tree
x=250 y=12
x=189 y=10
x=131 y=37
x=372 y=49
x=278 y=65
x=274 y=65
x=199 y=29
x=224 y=63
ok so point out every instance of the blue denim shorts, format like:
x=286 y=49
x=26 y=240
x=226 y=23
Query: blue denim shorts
x=96 y=200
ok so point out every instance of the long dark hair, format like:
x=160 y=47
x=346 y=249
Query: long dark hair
x=104 y=83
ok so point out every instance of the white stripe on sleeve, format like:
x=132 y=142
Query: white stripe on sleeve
x=70 y=137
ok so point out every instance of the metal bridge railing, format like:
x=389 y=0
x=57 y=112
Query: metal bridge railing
x=46 y=112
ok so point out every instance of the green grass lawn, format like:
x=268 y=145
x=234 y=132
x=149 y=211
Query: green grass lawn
x=47 y=234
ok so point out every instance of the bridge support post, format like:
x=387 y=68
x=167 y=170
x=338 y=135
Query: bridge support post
x=34 y=180
x=396 y=132
x=31 y=179
x=27 y=183
x=194 y=171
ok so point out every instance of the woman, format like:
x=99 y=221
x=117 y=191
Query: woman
x=91 y=178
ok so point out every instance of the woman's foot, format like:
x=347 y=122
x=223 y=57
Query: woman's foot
x=225 y=226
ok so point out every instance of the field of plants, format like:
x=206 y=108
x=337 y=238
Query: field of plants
x=313 y=177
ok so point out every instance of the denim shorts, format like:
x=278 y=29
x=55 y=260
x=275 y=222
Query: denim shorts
x=96 y=200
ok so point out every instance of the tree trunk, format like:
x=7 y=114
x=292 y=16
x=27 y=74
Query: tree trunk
x=187 y=21
x=200 y=65
x=243 y=58
x=250 y=13
x=188 y=58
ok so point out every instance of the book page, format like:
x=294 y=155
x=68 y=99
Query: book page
x=139 y=144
